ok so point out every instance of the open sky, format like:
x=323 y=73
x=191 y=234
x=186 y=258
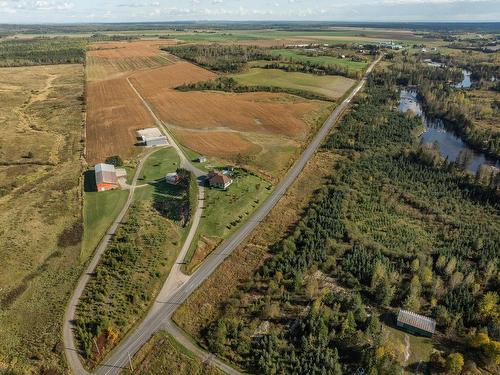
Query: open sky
x=44 y=11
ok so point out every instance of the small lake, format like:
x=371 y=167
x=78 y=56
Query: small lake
x=450 y=145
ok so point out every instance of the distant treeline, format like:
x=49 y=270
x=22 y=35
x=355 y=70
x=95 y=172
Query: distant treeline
x=229 y=84
x=21 y=52
x=222 y=58
x=46 y=51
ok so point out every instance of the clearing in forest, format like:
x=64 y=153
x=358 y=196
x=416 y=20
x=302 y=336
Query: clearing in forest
x=331 y=86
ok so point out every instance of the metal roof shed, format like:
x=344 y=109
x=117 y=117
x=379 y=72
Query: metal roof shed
x=416 y=324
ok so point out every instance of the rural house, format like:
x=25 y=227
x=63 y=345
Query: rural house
x=152 y=137
x=415 y=323
x=219 y=180
x=172 y=178
x=105 y=177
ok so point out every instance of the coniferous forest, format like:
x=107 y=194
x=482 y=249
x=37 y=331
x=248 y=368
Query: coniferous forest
x=390 y=230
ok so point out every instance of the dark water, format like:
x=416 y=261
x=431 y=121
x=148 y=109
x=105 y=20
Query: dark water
x=466 y=81
x=450 y=145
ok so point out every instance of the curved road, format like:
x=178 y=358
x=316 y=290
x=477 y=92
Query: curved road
x=160 y=318
x=68 y=338
x=175 y=278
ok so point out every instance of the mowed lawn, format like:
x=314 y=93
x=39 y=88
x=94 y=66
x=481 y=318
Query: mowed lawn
x=331 y=86
x=159 y=163
x=99 y=211
x=225 y=211
x=296 y=55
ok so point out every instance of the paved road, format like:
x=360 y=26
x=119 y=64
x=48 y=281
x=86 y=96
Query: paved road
x=175 y=278
x=161 y=318
x=68 y=338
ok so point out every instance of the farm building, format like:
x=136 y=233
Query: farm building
x=202 y=159
x=172 y=178
x=415 y=323
x=105 y=177
x=219 y=180
x=152 y=137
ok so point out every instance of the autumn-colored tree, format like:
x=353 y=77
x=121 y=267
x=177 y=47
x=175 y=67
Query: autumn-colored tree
x=454 y=363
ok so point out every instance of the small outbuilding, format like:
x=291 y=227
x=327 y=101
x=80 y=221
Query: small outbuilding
x=105 y=177
x=416 y=324
x=172 y=178
x=152 y=137
x=202 y=159
x=219 y=180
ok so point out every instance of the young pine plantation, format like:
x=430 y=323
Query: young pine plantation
x=389 y=230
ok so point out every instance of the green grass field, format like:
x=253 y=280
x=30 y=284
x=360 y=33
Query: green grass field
x=419 y=348
x=295 y=55
x=163 y=355
x=225 y=211
x=331 y=86
x=159 y=164
x=99 y=211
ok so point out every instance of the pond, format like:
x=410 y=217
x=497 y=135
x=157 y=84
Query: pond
x=466 y=81
x=451 y=146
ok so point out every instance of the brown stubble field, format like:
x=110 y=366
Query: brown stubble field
x=224 y=126
x=41 y=112
x=231 y=126
x=114 y=112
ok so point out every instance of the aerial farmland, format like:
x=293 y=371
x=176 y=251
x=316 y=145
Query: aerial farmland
x=193 y=197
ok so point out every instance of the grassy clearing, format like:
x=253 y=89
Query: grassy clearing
x=419 y=348
x=40 y=211
x=159 y=164
x=163 y=355
x=203 y=305
x=297 y=56
x=331 y=86
x=99 y=212
x=224 y=212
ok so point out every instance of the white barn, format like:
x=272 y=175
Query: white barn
x=152 y=137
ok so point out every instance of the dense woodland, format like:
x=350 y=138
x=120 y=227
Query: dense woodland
x=21 y=52
x=222 y=58
x=49 y=50
x=229 y=84
x=391 y=230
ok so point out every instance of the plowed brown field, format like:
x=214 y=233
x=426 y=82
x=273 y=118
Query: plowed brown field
x=114 y=112
x=249 y=112
x=217 y=143
x=218 y=124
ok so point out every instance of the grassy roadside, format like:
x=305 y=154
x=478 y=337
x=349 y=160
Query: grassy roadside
x=162 y=354
x=203 y=306
x=99 y=212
